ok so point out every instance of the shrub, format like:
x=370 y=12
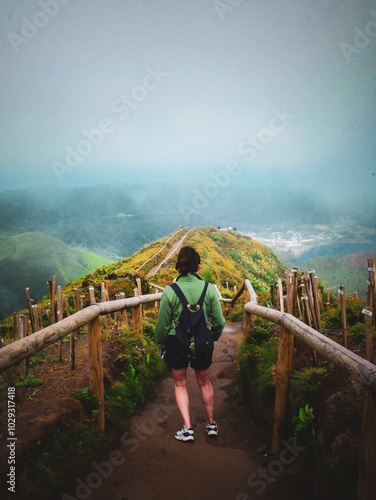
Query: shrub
x=305 y=384
x=236 y=314
x=42 y=463
x=257 y=356
x=141 y=368
x=207 y=275
x=331 y=318
x=30 y=381
x=88 y=401
x=305 y=425
x=216 y=236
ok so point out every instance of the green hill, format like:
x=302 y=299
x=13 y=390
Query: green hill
x=31 y=259
x=226 y=257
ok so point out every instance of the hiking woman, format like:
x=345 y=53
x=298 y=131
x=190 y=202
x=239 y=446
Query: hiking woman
x=192 y=286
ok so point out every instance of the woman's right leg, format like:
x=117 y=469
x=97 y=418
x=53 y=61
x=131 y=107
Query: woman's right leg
x=181 y=395
x=207 y=393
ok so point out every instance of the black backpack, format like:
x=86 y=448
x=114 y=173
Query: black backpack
x=195 y=340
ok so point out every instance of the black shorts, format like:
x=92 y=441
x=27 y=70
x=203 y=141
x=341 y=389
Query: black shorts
x=176 y=361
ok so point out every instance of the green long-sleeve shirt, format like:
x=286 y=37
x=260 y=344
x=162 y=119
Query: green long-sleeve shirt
x=171 y=308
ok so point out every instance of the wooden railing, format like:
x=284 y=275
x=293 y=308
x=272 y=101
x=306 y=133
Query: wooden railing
x=359 y=368
x=160 y=250
x=90 y=316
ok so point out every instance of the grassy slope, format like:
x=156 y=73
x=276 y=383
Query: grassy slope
x=348 y=270
x=31 y=259
x=229 y=257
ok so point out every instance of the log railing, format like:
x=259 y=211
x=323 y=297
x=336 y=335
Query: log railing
x=160 y=250
x=359 y=368
x=19 y=350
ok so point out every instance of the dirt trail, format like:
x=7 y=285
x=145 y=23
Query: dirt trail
x=171 y=252
x=148 y=463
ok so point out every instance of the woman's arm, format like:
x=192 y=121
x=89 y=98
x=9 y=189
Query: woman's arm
x=163 y=322
x=216 y=317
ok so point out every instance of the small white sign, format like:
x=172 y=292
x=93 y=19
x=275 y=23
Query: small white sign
x=340 y=292
x=366 y=311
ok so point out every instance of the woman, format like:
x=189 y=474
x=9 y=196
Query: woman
x=188 y=264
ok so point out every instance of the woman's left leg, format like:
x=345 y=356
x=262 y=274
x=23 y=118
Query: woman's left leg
x=181 y=395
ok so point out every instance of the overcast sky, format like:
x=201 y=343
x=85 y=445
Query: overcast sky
x=111 y=91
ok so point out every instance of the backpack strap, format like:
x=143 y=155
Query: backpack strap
x=202 y=298
x=182 y=297
x=179 y=293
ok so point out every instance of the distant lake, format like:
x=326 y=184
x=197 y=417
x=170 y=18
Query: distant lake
x=335 y=249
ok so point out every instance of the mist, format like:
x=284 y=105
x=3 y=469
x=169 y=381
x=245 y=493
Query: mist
x=124 y=92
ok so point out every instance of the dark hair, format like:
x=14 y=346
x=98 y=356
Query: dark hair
x=188 y=261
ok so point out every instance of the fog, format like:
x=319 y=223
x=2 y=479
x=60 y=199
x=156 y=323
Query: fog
x=273 y=93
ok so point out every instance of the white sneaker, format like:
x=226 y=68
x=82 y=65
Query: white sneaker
x=186 y=435
x=212 y=429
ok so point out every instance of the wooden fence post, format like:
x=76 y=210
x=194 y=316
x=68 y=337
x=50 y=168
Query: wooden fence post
x=96 y=367
x=76 y=303
x=306 y=311
x=289 y=291
x=342 y=294
x=368 y=321
x=27 y=326
x=328 y=296
x=14 y=317
x=52 y=287
x=92 y=295
x=294 y=290
x=321 y=300
x=35 y=314
x=280 y=295
x=247 y=318
x=284 y=366
x=137 y=311
x=299 y=308
x=124 y=313
x=316 y=301
x=372 y=284
x=310 y=301
x=72 y=353
x=32 y=322
x=60 y=315
x=104 y=298
x=21 y=335
x=367 y=463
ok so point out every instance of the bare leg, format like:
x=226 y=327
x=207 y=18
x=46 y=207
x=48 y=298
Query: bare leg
x=207 y=393
x=181 y=395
